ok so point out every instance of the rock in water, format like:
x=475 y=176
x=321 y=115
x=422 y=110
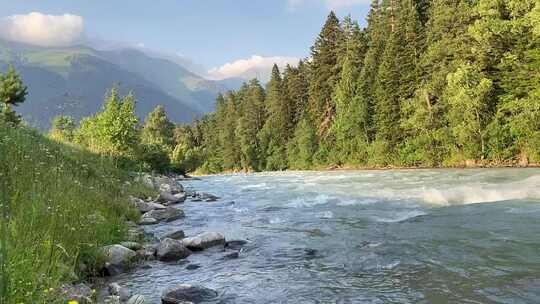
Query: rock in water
x=145 y=221
x=175 y=235
x=169 y=214
x=117 y=258
x=235 y=244
x=169 y=198
x=183 y=293
x=172 y=250
x=204 y=241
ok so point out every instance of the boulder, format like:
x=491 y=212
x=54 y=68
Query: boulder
x=204 y=241
x=168 y=198
x=145 y=221
x=80 y=293
x=183 y=293
x=131 y=245
x=172 y=250
x=207 y=197
x=175 y=235
x=168 y=214
x=149 y=206
x=117 y=258
x=235 y=244
x=136 y=299
x=147 y=252
x=171 y=186
x=229 y=255
x=122 y=293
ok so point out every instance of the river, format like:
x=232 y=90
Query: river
x=411 y=236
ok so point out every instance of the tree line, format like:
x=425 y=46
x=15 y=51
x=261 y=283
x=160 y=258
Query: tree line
x=426 y=83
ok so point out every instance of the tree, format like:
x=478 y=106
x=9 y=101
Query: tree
x=468 y=94
x=324 y=73
x=114 y=130
x=63 y=128
x=303 y=146
x=348 y=126
x=158 y=130
x=275 y=132
x=251 y=121
x=12 y=93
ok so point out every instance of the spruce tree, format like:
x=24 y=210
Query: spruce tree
x=275 y=133
x=158 y=130
x=325 y=73
x=250 y=122
x=12 y=93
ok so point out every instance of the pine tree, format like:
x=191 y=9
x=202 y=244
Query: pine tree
x=324 y=73
x=275 y=133
x=158 y=130
x=348 y=126
x=251 y=121
x=227 y=138
x=12 y=93
x=296 y=86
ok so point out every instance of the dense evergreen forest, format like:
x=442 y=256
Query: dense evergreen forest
x=427 y=83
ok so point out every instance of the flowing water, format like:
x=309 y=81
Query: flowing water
x=418 y=236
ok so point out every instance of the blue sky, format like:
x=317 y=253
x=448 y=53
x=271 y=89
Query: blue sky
x=211 y=33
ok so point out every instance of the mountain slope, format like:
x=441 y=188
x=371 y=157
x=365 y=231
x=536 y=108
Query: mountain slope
x=73 y=81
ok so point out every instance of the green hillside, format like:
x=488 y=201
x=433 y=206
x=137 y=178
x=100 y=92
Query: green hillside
x=60 y=204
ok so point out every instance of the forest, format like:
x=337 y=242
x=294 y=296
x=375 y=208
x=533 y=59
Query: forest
x=425 y=84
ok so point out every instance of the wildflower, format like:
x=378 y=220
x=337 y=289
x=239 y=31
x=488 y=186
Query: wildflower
x=73 y=302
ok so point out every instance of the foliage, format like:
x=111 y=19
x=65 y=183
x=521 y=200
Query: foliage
x=59 y=205
x=12 y=93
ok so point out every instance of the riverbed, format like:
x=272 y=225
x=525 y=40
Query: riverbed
x=410 y=236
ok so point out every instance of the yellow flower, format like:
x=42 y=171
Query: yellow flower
x=73 y=302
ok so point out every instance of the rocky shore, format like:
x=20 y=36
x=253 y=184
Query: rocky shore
x=140 y=247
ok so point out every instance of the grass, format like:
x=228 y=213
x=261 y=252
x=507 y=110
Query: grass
x=59 y=205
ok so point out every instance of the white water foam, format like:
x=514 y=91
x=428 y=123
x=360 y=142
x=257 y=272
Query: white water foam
x=484 y=193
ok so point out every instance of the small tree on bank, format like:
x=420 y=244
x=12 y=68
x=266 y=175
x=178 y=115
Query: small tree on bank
x=12 y=93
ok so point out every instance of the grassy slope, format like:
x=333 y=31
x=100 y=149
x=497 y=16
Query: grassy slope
x=61 y=205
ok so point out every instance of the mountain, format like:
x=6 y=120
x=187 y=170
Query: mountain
x=74 y=80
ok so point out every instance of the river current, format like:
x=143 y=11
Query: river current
x=411 y=236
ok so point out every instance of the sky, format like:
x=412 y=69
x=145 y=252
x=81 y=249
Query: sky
x=224 y=36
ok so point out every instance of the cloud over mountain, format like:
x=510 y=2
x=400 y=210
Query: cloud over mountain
x=254 y=67
x=41 y=29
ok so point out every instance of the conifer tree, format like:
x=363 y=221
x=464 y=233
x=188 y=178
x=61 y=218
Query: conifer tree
x=275 y=133
x=12 y=93
x=158 y=130
x=251 y=121
x=324 y=73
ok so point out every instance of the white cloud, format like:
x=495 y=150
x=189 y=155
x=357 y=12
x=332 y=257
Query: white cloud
x=256 y=66
x=43 y=30
x=332 y=4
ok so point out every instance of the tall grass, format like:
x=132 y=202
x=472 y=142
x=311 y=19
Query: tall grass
x=59 y=204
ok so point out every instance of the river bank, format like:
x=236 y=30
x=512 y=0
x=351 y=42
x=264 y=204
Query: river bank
x=172 y=246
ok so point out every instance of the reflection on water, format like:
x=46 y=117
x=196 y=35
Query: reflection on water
x=420 y=236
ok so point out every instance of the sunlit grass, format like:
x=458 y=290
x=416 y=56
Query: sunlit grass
x=59 y=205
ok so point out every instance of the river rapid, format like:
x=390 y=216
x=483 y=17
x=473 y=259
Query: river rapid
x=411 y=236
